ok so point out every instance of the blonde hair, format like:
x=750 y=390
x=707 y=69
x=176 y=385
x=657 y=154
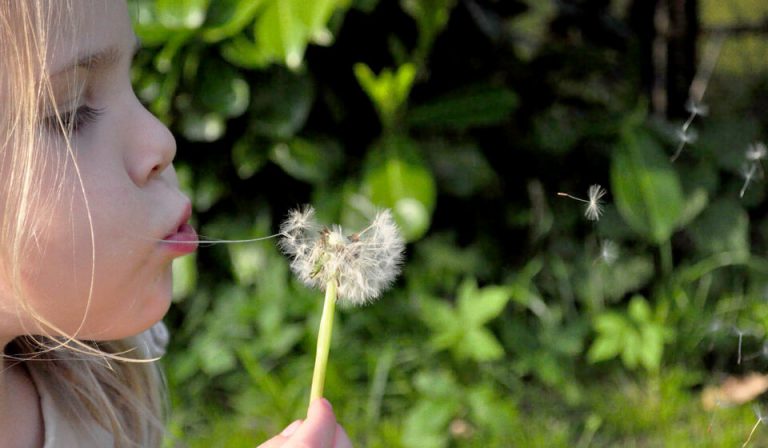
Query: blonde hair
x=95 y=382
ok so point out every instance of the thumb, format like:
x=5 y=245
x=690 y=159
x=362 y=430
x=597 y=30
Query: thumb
x=319 y=429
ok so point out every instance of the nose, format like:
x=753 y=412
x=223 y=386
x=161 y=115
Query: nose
x=152 y=147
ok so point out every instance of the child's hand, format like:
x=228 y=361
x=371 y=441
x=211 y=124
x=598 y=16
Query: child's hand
x=319 y=430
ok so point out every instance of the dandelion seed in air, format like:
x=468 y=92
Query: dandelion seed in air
x=748 y=173
x=594 y=203
x=687 y=135
x=354 y=268
x=760 y=419
x=609 y=252
x=697 y=108
x=756 y=152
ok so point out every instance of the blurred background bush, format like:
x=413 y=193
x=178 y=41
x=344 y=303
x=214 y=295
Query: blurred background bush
x=516 y=321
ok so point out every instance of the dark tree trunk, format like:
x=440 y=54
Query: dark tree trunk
x=666 y=32
x=681 y=54
x=641 y=21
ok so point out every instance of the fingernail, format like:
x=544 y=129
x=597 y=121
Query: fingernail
x=290 y=429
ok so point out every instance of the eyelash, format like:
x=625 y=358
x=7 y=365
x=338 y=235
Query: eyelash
x=73 y=121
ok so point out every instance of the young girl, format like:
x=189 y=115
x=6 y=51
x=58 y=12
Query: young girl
x=91 y=218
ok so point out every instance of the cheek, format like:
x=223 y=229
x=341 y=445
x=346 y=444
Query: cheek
x=110 y=278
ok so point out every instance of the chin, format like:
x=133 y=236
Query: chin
x=143 y=310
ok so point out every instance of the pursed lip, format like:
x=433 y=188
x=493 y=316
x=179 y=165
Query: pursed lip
x=183 y=219
x=183 y=239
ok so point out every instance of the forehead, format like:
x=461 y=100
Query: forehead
x=81 y=27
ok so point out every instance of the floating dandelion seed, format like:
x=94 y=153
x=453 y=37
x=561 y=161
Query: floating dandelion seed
x=594 y=203
x=354 y=268
x=697 y=108
x=760 y=419
x=756 y=152
x=687 y=135
x=748 y=173
x=609 y=251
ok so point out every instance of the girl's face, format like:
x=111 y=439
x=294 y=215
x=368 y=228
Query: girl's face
x=126 y=183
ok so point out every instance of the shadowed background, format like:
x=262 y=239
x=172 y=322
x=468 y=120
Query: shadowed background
x=516 y=322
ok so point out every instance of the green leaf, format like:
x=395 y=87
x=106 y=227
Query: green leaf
x=222 y=89
x=475 y=106
x=280 y=33
x=723 y=227
x=610 y=323
x=147 y=25
x=603 y=348
x=396 y=178
x=614 y=280
x=438 y=315
x=202 y=127
x=306 y=160
x=694 y=205
x=215 y=357
x=182 y=14
x=247 y=262
x=639 y=310
x=315 y=16
x=248 y=157
x=478 y=306
x=279 y=108
x=653 y=347
x=480 y=345
x=425 y=425
x=632 y=349
x=229 y=18
x=646 y=188
x=388 y=90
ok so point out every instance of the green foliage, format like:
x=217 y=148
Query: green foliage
x=515 y=323
x=647 y=191
x=462 y=329
x=637 y=338
x=388 y=90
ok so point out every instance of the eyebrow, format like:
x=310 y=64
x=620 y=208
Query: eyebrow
x=100 y=60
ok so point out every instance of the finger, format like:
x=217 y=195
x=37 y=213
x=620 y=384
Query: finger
x=282 y=438
x=319 y=429
x=342 y=439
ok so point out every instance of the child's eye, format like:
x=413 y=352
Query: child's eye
x=73 y=121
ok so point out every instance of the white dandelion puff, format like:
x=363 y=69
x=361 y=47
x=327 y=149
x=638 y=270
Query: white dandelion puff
x=594 y=203
x=363 y=264
x=352 y=269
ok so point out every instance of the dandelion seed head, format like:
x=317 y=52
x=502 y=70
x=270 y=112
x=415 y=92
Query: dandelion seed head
x=595 y=206
x=363 y=264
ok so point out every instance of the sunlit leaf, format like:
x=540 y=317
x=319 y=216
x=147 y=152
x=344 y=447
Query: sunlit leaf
x=396 y=178
x=182 y=14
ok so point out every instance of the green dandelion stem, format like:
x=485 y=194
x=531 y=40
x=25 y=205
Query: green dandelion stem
x=323 y=341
